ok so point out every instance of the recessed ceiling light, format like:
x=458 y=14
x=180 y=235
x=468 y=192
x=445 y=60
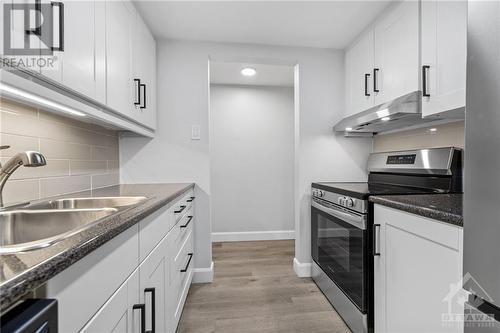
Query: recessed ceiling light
x=38 y=100
x=386 y=118
x=432 y=129
x=248 y=71
x=348 y=129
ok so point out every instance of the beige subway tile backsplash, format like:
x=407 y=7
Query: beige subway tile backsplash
x=17 y=143
x=55 y=186
x=446 y=135
x=21 y=190
x=105 y=180
x=88 y=167
x=53 y=168
x=65 y=150
x=80 y=156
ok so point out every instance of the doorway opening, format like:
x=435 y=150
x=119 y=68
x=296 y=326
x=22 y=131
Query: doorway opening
x=252 y=151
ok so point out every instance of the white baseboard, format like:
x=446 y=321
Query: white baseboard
x=203 y=275
x=252 y=235
x=302 y=269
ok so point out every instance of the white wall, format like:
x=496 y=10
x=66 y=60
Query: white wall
x=183 y=100
x=252 y=159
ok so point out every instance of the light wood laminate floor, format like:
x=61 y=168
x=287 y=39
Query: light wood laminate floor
x=256 y=290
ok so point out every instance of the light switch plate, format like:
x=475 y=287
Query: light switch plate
x=195 y=132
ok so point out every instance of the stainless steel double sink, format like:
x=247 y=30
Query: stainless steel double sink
x=48 y=222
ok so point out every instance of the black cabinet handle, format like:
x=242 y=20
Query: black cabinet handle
x=375 y=253
x=367 y=76
x=191 y=199
x=180 y=210
x=142 y=308
x=375 y=88
x=60 y=47
x=143 y=106
x=153 y=308
x=424 y=81
x=138 y=100
x=188 y=263
x=187 y=223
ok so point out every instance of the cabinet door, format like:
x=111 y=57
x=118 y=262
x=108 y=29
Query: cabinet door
x=359 y=70
x=417 y=275
x=18 y=37
x=119 y=23
x=118 y=313
x=79 y=55
x=55 y=72
x=152 y=287
x=397 y=52
x=444 y=55
x=144 y=58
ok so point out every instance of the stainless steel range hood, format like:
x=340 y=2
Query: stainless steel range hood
x=401 y=112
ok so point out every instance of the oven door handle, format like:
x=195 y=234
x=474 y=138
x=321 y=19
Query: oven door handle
x=358 y=221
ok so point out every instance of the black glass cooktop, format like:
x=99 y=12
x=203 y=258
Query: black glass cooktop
x=364 y=190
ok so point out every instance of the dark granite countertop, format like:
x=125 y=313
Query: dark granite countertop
x=442 y=207
x=20 y=273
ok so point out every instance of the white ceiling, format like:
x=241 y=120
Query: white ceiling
x=324 y=24
x=267 y=75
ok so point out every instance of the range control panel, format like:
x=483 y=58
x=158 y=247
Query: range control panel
x=401 y=159
x=341 y=200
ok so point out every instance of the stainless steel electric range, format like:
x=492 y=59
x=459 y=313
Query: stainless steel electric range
x=342 y=227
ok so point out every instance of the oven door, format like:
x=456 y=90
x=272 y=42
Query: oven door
x=339 y=247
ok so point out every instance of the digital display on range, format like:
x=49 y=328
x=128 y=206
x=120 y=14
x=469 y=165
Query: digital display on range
x=401 y=159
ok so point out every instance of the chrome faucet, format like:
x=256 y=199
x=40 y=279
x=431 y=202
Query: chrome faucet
x=27 y=159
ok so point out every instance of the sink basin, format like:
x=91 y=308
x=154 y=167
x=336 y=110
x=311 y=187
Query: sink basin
x=81 y=203
x=22 y=230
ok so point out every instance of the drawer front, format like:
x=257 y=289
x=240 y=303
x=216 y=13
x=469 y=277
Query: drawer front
x=182 y=264
x=181 y=206
x=184 y=276
x=182 y=229
x=153 y=228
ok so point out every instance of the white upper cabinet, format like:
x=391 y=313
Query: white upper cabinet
x=397 y=52
x=119 y=24
x=444 y=55
x=359 y=62
x=144 y=70
x=81 y=65
x=383 y=62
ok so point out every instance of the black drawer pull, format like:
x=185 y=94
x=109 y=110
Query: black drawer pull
x=188 y=263
x=375 y=243
x=367 y=76
x=142 y=308
x=138 y=85
x=187 y=223
x=375 y=86
x=143 y=106
x=424 y=81
x=191 y=199
x=153 y=308
x=180 y=210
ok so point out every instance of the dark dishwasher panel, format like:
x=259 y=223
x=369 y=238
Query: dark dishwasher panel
x=31 y=316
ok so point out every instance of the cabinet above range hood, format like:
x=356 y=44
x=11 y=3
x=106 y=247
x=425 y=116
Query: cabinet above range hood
x=399 y=113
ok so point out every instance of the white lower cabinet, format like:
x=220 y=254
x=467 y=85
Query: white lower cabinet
x=153 y=281
x=417 y=273
x=137 y=282
x=122 y=312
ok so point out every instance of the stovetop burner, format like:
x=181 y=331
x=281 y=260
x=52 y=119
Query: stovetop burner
x=364 y=190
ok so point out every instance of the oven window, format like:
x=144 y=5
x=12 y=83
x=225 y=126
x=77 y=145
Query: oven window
x=340 y=250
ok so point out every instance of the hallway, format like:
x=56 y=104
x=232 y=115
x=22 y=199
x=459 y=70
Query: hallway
x=256 y=290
